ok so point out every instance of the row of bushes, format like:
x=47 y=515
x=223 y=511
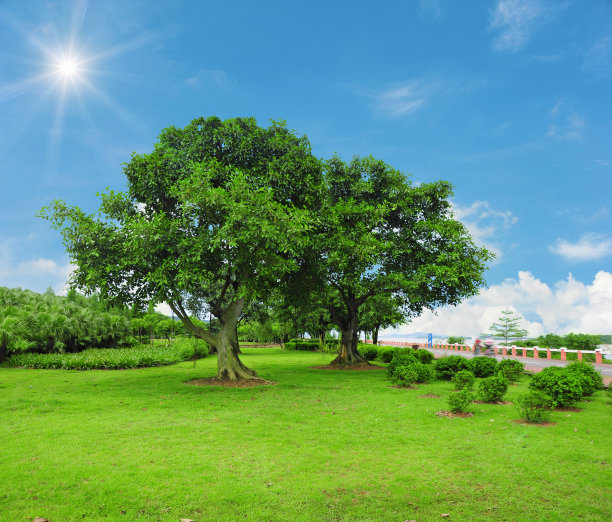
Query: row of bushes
x=311 y=345
x=114 y=359
x=553 y=387
x=408 y=366
x=412 y=366
x=447 y=367
x=385 y=354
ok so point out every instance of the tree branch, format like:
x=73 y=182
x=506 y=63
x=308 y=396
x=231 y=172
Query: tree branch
x=180 y=312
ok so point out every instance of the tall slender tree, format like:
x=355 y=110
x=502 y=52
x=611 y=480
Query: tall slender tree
x=507 y=326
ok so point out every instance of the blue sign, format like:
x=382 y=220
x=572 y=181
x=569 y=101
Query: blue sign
x=429 y=340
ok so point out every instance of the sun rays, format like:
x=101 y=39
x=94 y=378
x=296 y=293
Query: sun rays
x=63 y=75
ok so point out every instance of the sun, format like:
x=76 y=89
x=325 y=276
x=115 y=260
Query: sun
x=68 y=68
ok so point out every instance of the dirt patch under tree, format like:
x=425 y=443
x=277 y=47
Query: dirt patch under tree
x=243 y=383
x=355 y=367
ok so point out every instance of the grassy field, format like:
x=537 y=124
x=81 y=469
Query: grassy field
x=320 y=445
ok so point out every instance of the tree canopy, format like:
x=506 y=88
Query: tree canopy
x=381 y=235
x=219 y=211
x=225 y=213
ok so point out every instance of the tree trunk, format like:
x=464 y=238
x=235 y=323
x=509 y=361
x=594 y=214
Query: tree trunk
x=348 y=343
x=375 y=336
x=229 y=365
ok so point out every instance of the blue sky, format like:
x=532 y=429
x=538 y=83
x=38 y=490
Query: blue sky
x=507 y=99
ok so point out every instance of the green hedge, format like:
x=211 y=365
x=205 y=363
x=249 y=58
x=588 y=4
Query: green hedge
x=113 y=358
x=386 y=353
x=307 y=345
x=446 y=367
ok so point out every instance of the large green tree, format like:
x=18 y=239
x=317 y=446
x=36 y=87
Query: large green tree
x=218 y=211
x=381 y=235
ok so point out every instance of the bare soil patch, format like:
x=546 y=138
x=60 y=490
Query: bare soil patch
x=245 y=383
x=538 y=424
x=503 y=403
x=568 y=408
x=451 y=415
x=429 y=396
x=361 y=367
x=405 y=387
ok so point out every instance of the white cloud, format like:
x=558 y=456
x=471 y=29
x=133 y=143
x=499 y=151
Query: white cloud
x=34 y=274
x=603 y=163
x=42 y=267
x=566 y=124
x=406 y=98
x=597 y=58
x=516 y=21
x=483 y=223
x=567 y=306
x=588 y=248
x=206 y=77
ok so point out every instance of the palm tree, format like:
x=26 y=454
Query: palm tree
x=11 y=330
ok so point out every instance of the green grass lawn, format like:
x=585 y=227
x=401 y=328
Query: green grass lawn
x=319 y=445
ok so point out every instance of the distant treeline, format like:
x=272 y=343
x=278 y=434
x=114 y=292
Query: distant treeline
x=571 y=341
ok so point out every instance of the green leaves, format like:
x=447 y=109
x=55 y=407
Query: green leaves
x=379 y=234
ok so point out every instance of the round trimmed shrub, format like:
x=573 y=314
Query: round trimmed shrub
x=368 y=352
x=424 y=372
x=492 y=389
x=463 y=379
x=425 y=356
x=447 y=367
x=592 y=380
x=459 y=401
x=511 y=369
x=534 y=405
x=483 y=366
x=404 y=375
x=399 y=358
x=561 y=385
x=386 y=354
